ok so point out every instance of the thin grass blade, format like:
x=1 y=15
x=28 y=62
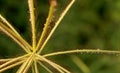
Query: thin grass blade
x=8 y=24
x=26 y=65
x=2 y=61
x=47 y=69
x=35 y=67
x=15 y=37
x=56 y=25
x=56 y=66
x=32 y=20
x=13 y=61
x=47 y=26
x=83 y=51
x=11 y=66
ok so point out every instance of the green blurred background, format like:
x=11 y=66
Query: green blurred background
x=91 y=24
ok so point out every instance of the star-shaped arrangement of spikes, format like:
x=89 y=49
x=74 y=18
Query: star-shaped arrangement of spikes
x=33 y=55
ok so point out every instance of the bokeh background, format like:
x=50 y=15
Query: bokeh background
x=88 y=24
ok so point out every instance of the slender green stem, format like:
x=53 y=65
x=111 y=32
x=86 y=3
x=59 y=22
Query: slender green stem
x=25 y=66
x=47 y=25
x=82 y=51
x=32 y=20
x=14 y=60
x=4 y=60
x=54 y=65
x=56 y=24
x=47 y=69
x=9 y=25
x=12 y=65
x=35 y=67
x=49 y=62
x=16 y=38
